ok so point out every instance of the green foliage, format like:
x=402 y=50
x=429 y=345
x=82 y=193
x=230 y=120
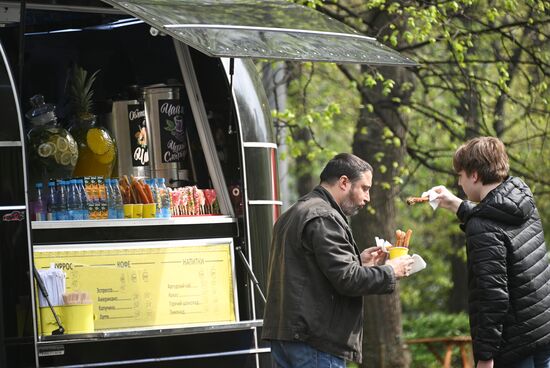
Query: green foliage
x=319 y=119
x=428 y=290
x=433 y=325
x=484 y=69
x=308 y=3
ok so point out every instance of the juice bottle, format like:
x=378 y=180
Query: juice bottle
x=102 y=195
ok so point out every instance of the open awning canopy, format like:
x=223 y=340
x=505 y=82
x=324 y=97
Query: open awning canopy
x=270 y=29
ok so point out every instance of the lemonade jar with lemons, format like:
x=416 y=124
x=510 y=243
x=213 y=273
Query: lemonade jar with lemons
x=53 y=152
x=97 y=150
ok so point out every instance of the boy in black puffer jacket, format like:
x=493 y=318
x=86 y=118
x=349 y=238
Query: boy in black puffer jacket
x=508 y=271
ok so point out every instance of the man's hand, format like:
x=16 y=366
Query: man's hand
x=485 y=364
x=373 y=256
x=401 y=266
x=447 y=199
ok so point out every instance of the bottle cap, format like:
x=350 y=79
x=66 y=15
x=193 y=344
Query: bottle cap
x=39 y=185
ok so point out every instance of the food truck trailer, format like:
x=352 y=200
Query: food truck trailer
x=165 y=292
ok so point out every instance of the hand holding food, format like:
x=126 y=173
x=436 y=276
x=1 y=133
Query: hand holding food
x=373 y=256
x=398 y=251
x=447 y=199
x=401 y=266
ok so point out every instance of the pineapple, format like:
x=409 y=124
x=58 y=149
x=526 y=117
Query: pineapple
x=81 y=93
x=97 y=149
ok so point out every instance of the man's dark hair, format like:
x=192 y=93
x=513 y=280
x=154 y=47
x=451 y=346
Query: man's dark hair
x=344 y=164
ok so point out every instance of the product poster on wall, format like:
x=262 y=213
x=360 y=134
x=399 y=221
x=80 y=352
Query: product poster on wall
x=174 y=117
x=138 y=135
x=150 y=284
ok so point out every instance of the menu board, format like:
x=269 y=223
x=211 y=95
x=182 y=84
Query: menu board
x=149 y=284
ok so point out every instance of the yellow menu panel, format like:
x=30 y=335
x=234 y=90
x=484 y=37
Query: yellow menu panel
x=141 y=286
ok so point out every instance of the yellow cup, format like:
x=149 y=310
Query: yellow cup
x=138 y=210
x=128 y=210
x=75 y=318
x=149 y=210
x=396 y=252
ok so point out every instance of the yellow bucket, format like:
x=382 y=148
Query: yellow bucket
x=75 y=318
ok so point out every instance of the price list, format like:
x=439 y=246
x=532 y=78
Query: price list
x=150 y=286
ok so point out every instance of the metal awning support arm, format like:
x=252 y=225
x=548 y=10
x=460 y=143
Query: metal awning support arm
x=250 y=272
x=203 y=127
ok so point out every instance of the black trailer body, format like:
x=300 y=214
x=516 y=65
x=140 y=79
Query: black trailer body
x=206 y=49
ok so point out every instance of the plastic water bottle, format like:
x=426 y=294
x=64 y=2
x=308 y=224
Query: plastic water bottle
x=39 y=205
x=119 y=204
x=151 y=184
x=164 y=199
x=156 y=198
x=111 y=200
x=83 y=199
x=50 y=202
x=61 y=201
x=74 y=201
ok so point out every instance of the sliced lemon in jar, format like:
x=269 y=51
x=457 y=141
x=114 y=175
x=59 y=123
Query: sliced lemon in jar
x=58 y=157
x=108 y=156
x=62 y=144
x=65 y=158
x=98 y=141
x=74 y=160
x=46 y=150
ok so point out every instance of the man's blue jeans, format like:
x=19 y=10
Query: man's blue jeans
x=287 y=354
x=540 y=359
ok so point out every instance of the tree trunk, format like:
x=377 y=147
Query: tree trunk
x=383 y=345
x=304 y=180
x=458 y=298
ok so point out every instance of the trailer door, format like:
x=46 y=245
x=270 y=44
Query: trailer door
x=276 y=29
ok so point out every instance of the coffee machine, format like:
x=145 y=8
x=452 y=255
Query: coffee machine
x=151 y=133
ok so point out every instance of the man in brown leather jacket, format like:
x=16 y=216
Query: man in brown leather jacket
x=317 y=275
